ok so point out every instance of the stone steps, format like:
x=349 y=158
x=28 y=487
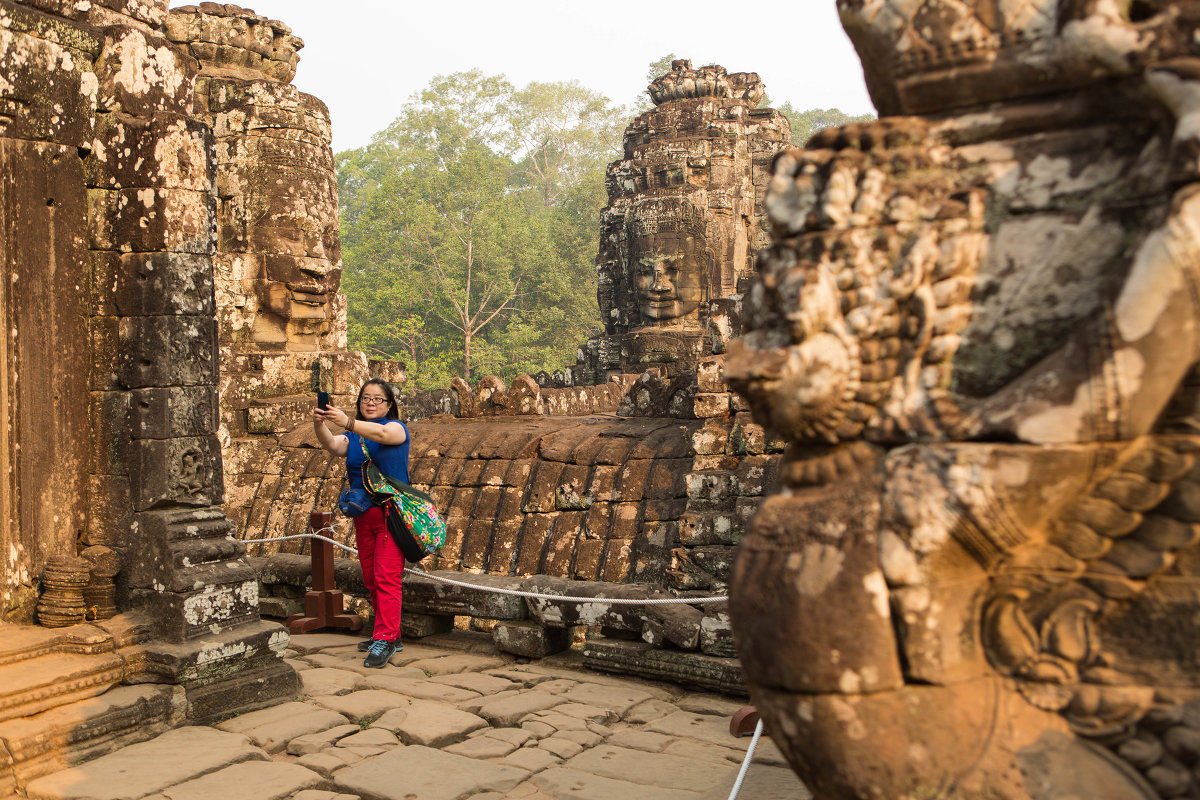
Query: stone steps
x=45 y=667
x=72 y=733
x=33 y=686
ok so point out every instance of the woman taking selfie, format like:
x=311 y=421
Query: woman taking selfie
x=376 y=423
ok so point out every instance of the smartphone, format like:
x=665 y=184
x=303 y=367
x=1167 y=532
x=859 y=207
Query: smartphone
x=322 y=400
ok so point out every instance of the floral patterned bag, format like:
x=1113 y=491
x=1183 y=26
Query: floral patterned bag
x=411 y=515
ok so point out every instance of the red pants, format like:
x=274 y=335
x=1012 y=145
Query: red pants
x=383 y=571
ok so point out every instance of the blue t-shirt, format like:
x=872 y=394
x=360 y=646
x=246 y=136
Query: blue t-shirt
x=392 y=459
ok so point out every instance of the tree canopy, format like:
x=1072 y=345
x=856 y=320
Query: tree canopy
x=470 y=224
x=468 y=227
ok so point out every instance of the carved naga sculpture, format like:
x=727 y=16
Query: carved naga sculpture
x=978 y=325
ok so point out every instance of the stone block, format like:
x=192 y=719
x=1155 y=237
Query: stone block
x=429 y=596
x=172 y=412
x=602 y=482
x=530 y=639
x=476 y=543
x=709 y=528
x=712 y=439
x=640 y=659
x=183 y=470
x=666 y=478
x=663 y=510
x=711 y=491
x=588 y=553
x=472 y=472
x=616 y=563
x=710 y=375
x=757 y=475
x=543 y=486
x=430 y=773
x=506 y=538
x=706 y=405
x=487 y=502
x=571 y=493
x=157 y=220
x=167 y=351
x=626 y=520
x=716 y=633
x=417 y=626
x=632 y=480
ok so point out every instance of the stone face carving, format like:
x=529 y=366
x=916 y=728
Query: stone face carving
x=669 y=260
x=977 y=328
x=683 y=221
x=278 y=261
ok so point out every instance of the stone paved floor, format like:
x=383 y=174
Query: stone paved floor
x=445 y=722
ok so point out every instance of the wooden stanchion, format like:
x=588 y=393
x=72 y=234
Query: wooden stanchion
x=744 y=720
x=323 y=606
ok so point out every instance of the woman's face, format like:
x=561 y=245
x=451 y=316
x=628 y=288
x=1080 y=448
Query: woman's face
x=373 y=403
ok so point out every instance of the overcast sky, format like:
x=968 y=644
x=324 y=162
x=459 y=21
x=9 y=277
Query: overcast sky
x=364 y=58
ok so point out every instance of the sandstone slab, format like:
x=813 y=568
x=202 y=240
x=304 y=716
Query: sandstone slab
x=424 y=722
x=564 y=783
x=148 y=767
x=316 y=742
x=421 y=689
x=328 y=680
x=507 y=711
x=272 y=728
x=428 y=775
x=251 y=780
x=363 y=704
x=658 y=770
x=618 y=699
x=458 y=662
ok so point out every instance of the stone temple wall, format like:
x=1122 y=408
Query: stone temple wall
x=110 y=359
x=642 y=471
x=277 y=267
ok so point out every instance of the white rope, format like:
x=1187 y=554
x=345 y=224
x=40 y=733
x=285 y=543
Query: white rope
x=537 y=596
x=629 y=601
x=737 y=785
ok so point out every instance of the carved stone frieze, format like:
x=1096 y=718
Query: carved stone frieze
x=977 y=327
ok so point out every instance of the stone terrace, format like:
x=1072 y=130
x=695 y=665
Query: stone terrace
x=445 y=720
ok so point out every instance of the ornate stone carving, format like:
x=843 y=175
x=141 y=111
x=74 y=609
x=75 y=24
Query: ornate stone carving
x=977 y=328
x=63 y=582
x=683 y=220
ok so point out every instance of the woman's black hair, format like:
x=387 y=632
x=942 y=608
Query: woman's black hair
x=393 y=412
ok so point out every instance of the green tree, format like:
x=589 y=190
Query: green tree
x=468 y=227
x=806 y=123
x=561 y=132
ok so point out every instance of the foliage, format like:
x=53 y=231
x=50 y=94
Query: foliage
x=469 y=224
x=806 y=123
x=468 y=227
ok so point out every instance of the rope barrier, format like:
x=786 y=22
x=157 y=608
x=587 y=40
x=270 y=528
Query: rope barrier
x=741 y=776
x=630 y=601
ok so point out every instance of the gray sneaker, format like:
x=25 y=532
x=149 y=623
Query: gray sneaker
x=365 y=645
x=379 y=653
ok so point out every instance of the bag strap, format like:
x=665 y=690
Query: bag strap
x=398 y=486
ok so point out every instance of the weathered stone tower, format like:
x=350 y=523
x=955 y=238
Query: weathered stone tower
x=109 y=211
x=684 y=220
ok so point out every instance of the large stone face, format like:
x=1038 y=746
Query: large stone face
x=976 y=325
x=683 y=221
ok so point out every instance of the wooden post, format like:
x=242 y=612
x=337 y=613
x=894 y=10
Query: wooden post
x=744 y=721
x=323 y=606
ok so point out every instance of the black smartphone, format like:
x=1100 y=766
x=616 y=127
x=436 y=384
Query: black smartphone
x=322 y=400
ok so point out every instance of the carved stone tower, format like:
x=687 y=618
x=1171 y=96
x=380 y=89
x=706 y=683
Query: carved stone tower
x=678 y=238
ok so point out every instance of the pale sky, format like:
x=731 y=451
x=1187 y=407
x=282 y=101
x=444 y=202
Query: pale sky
x=364 y=58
